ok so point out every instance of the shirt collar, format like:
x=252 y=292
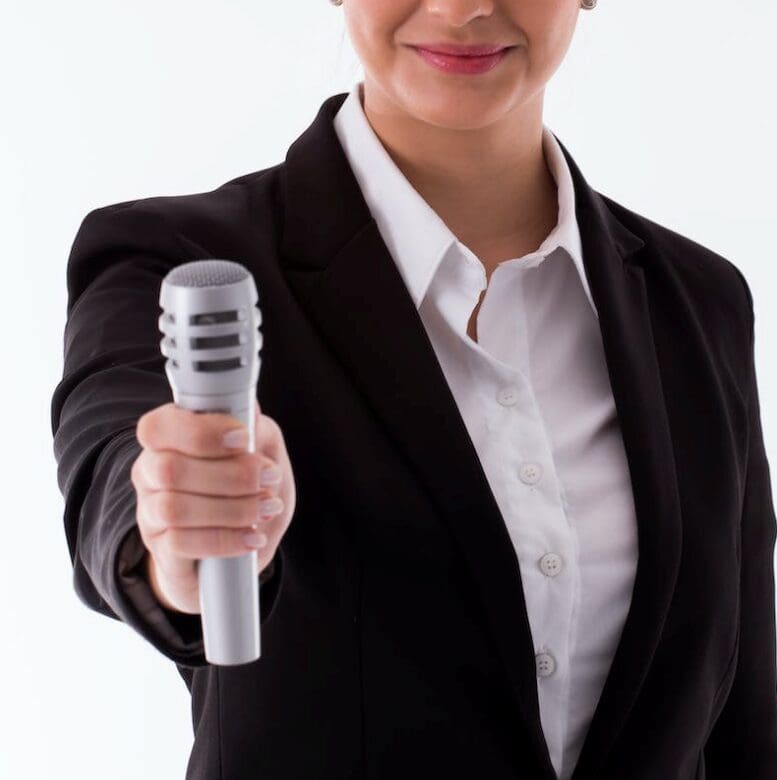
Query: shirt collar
x=414 y=233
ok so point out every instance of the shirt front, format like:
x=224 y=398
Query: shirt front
x=535 y=396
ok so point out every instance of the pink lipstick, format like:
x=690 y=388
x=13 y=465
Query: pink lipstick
x=453 y=58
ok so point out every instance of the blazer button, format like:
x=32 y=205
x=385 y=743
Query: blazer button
x=546 y=664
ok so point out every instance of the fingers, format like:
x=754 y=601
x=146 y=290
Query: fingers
x=166 y=510
x=269 y=438
x=190 y=544
x=240 y=475
x=198 y=498
x=176 y=548
x=192 y=433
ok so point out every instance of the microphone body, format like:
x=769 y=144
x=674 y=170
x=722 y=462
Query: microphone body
x=211 y=342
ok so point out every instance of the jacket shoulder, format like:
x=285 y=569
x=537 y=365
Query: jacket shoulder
x=706 y=276
x=164 y=230
x=192 y=216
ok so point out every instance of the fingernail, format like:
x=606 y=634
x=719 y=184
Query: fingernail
x=255 y=539
x=270 y=475
x=236 y=438
x=270 y=506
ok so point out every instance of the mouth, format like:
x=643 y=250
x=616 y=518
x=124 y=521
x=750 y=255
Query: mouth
x=460 y=50
x=486 y=58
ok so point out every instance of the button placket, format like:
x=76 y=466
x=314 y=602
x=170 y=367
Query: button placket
x=530 y=472
x=508 y=396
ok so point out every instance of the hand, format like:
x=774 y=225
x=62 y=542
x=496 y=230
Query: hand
x=197 y=498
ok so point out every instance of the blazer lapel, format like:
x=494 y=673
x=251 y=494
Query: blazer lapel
x=617 y=281
x=342 y=273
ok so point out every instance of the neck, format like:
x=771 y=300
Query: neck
x=490 y=185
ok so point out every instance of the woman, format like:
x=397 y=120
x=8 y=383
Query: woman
x=525 y=526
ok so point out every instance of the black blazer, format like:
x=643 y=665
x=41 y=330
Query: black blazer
x=395 y=639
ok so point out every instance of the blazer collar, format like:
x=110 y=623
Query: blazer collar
x=414 y=233
x=342 y=274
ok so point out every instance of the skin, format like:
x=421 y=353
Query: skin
x=471 y=145
x=184 y=478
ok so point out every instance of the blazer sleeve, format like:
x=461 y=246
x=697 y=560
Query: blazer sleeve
x=113 y=373
x=743 y=739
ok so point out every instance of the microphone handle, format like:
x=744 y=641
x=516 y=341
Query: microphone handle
x=229 y=587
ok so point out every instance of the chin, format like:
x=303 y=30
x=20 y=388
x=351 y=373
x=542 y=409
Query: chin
x=457 y=110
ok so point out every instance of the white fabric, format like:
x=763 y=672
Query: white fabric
x=535 y=396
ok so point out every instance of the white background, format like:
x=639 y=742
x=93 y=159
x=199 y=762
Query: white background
x=666 y=107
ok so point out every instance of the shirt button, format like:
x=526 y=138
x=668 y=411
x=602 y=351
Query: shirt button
x=546 y=664
x=550 y=564
x=530 y=473
x=507 y=396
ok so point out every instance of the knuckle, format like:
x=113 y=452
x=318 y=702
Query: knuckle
x=172 y=542
x=140 y=430
x=199 y=437
x=166 y=469
x=141 y=519
x=151 y=541
x=144 y=428
x=135 y=474
x=144 y=537
x=268 y=463
x=274 y=429
x=269 y=423
x=168 y=508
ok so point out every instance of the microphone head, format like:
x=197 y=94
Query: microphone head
x=210 y=324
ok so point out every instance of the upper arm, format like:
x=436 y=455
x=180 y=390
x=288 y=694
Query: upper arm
x=743 y=740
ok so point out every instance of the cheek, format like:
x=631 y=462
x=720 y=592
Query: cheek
x=549 y=29
x=364 y=34
x=374 y=26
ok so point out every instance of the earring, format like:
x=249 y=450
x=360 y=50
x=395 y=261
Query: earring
x=336 y=2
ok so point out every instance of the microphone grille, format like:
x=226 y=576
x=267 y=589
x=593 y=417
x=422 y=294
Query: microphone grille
x=207 y=273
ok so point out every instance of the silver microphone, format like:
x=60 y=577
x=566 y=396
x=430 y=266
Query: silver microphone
x=211 y=341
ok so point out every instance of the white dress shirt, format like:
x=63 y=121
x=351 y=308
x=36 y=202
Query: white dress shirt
x=535 y=396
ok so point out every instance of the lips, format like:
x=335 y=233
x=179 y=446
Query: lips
x=450 y=63
x=459 y=50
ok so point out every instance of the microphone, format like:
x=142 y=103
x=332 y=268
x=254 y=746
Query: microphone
x=211 y=341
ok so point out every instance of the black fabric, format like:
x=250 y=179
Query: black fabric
x=395 y=639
